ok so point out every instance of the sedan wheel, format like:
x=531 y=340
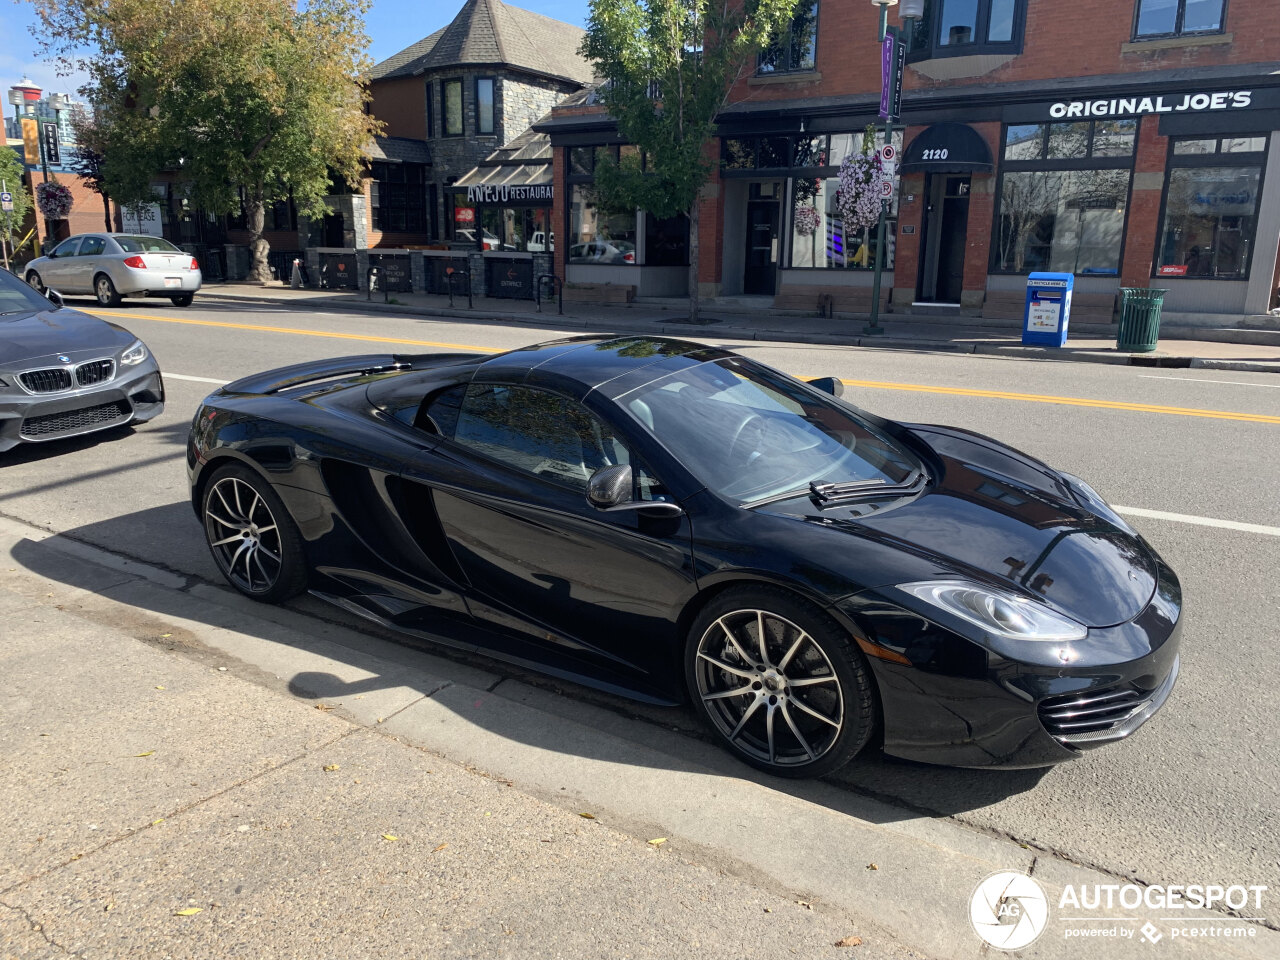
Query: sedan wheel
x=105 y=291
x=34 y=281
x=782 y=684
x=252 y=538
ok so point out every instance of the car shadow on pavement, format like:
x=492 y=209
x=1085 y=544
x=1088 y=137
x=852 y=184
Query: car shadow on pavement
x=494 y=696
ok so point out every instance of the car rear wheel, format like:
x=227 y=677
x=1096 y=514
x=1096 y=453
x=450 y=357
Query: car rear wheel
x=34 y=281
x=780 y=683
x=105 y=291
x=254 y=541
x=183 y=300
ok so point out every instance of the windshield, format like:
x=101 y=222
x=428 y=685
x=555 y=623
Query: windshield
x=750 y=433
x=146 y=245
x=18 y=298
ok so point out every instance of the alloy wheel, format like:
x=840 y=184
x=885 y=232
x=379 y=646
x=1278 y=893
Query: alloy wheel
x=769 y=688
x=243 y=535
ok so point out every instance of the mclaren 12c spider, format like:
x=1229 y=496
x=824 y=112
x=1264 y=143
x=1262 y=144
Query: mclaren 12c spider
x=672 y=521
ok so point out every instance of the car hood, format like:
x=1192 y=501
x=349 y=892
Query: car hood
x=46 y=333
x=1000 y=515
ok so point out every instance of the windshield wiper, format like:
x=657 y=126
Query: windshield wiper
x=832 y=494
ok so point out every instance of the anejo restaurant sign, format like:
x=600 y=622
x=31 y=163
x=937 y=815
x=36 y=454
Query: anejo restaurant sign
x=503 y=193
x=1136 y=106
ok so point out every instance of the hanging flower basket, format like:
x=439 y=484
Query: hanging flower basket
x=53 y=199
x=859 y=194
x=806 y=219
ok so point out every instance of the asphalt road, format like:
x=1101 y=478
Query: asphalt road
x=1191 y=799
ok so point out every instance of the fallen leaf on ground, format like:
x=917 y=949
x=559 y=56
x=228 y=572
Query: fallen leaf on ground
x=154 y=822
x=159 y=687
x=439 y=848
x=108 y=908
x=189 y=912
x=768 y=909
x=872 y=866
x=147 y=754
x=389 y=836
x=330 y=767
x=324 y=706
x=657 y=841
x=849 y=942
x=587 y=816
x=806 y=904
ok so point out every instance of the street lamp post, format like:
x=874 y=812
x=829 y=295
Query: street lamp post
x=911 y=10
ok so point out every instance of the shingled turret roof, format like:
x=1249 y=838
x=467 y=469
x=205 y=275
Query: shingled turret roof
x=492 y=32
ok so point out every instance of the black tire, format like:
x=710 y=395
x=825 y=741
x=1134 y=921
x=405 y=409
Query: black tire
x=35 y=283
x=816 y=690
x=252 y=538
x=105 y=291
x=183 y=300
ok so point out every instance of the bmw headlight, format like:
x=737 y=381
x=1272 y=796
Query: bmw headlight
x=1093 y=500
x=135 y=354
x=997 y=612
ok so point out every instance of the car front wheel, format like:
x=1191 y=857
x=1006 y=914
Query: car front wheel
x=254 y=541
x=780 y=683
x=105 y=291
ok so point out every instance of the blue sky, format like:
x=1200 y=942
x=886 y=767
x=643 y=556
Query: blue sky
x=392 y=25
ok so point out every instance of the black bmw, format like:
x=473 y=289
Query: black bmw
x=671 y=520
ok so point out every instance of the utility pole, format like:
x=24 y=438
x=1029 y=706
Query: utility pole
x=893 y=56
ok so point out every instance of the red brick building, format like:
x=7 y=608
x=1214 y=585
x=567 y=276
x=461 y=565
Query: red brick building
x=1128 y=142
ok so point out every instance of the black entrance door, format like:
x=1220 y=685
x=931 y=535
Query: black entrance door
x=762 y=247
x=946 y=231
x=333 y=230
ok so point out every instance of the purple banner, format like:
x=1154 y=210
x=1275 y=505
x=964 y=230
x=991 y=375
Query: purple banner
x=886 y=76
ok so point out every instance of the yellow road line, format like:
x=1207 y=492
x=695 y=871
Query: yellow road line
x=260 y=328
x=1067 y=401
x=872 y=384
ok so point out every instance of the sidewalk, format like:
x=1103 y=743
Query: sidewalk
x=1218 y=347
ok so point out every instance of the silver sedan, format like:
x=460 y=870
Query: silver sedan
x=111 y=266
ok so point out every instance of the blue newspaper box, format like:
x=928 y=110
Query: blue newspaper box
x=1048 y=309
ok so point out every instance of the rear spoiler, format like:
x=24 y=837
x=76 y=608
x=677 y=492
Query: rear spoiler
x=283 y=378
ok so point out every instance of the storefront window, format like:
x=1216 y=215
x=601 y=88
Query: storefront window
x=962 y=27
x=1065 y=221
x=666 y=242
x=1211 y=208
x=398 y=196
x=818 y=236
x=596 y=236
x=516 y=229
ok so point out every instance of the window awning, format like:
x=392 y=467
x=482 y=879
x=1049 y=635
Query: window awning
x=948 y=148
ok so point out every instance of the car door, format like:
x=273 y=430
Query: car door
x=82 y=268
x=597 y=589
x=59 y=266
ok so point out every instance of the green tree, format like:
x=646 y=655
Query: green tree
x=90 y=162
x=246 y=101
x=668 y=67
x=11 y=172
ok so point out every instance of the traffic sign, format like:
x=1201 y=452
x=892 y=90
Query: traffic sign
x=888 y=153
x=6 y=201
x=889 y=168
x=887 y=188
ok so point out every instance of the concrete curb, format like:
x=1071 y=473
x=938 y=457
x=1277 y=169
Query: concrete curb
x=887 y=868
x=734 y=332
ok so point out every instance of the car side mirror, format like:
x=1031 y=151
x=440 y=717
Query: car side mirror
x=609 y=490
x=54 y=296
x=829 y=385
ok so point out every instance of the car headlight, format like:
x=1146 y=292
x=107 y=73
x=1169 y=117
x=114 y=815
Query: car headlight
x=135 y=354
x=997 y=612
x=1094 y=501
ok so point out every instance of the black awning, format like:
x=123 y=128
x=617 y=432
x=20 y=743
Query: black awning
x=948 y=148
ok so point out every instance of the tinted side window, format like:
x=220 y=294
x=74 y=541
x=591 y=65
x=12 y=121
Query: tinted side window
x=67 y=248
x=91 y=247
x=439 y=413
x=536 y=432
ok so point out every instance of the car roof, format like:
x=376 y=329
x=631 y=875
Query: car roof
x=611 y=364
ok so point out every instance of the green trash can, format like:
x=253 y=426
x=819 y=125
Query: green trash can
x=1139 y=319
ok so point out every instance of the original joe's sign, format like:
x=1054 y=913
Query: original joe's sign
x=1136 y=106
x=504 y=193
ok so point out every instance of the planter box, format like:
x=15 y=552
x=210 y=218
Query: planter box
x=834 y=299
x=600 y=292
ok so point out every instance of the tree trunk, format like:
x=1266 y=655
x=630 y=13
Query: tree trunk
x=693 y=260
x=255 y=219
x=106 y=211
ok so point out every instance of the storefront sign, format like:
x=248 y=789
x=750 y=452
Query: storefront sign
x=504 y=193
x=30 y=141
x=1136 y=106
x=464 y=215
x=143 y=218
x=511 y=279
x=338 y=271
x=1173 y=270
x=396 y=275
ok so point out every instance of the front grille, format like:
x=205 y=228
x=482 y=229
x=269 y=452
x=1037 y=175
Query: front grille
x=75 y=421
x=1090 y=715
x=46 y=381
x=95 y=371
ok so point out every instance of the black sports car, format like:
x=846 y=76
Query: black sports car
x=671 y=520
x=64 y=373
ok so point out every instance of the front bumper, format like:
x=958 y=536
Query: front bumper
x=134 y=395
x=961 y=704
